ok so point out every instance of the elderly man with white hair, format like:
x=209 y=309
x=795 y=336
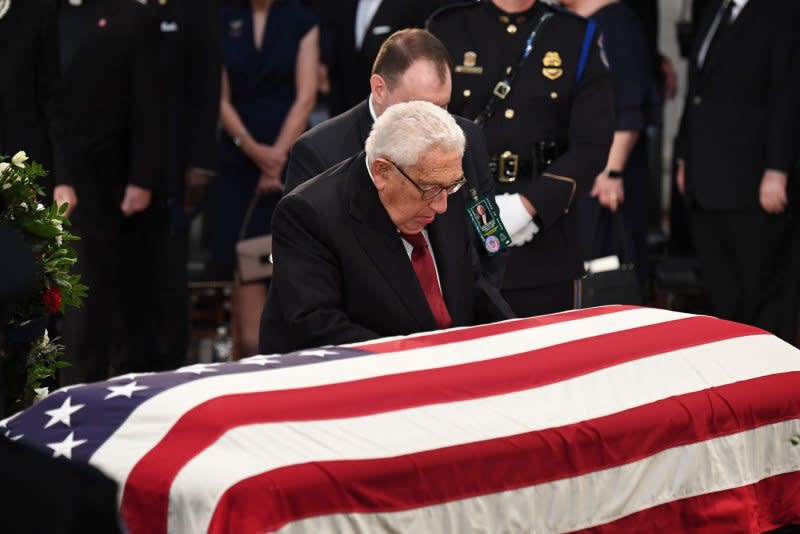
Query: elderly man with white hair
x=377 y=246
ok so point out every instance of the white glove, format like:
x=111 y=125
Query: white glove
x=524 y=235
x=518 y=222
x=513 y=213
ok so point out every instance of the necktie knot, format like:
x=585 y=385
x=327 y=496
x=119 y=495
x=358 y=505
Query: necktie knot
x=417 y=240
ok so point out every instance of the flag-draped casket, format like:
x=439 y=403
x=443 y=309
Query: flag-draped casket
x=612 y=419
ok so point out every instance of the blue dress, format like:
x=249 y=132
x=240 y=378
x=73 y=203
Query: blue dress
x=262 y=90
x=635 y=100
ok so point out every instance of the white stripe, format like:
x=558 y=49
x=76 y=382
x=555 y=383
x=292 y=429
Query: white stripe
x=151 y=421
x=593 y=499
x=148 y=424
x=247 y=451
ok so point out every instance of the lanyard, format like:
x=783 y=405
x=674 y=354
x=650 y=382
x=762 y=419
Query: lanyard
x=503 y=87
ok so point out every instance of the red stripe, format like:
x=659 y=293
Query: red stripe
x=204 y=424
x=494 y=329
x=273 y=499
x=766 y=505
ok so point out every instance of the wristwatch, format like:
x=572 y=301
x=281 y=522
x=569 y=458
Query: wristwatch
x=613 y=174
x=237 y=141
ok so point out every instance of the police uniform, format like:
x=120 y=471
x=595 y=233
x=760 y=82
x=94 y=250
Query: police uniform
x=548 y=136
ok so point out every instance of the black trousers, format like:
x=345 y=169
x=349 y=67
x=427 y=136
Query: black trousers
x=745 y=269
x=118 y=328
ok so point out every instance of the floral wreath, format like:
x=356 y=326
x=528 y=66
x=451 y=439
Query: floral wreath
x=43 y=228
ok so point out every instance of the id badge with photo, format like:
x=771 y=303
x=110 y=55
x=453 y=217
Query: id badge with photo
x=483 y=214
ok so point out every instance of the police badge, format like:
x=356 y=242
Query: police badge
x=551 y=66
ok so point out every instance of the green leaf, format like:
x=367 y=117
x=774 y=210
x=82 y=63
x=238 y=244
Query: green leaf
x=40 y=229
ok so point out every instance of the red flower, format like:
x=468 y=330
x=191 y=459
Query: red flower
x=52 y=299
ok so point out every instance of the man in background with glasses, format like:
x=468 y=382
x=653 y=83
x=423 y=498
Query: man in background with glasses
x=378 y=245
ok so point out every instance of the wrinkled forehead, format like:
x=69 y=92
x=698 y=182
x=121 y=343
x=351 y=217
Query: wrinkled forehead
x=437 y=166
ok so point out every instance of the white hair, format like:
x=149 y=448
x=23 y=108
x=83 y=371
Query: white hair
x=404 y=132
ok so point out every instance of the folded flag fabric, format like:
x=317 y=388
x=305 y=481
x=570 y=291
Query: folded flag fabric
x=598 y=420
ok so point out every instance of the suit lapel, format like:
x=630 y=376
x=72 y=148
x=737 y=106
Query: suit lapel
x=704 y=24
x=378 y=237
x=382 y=22
x=347 y=25
x=723 y=47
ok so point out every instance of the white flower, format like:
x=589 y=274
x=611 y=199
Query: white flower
x=39 y=206
x=3 y=166
x=19 y=159
x=57 y=225
x=6 y=186
x=46 y=337
x=40 y=393
x=58 y=240
x=23 y=205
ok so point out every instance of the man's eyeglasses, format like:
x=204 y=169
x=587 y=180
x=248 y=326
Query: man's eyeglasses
x=432 y=191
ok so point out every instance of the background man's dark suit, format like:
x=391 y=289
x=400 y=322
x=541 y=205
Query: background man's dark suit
x=31 y=110
x=342 y=274
x=113 y=97
x=190 y=63
x=736 y=125
x=342 y=136
x=349 y=68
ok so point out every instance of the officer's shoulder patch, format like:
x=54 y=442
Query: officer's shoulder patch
x=448 y=9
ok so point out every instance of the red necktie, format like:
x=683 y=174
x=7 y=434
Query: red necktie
x=422 y=261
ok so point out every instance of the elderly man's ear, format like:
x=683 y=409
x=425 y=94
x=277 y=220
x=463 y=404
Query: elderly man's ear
x=379 y=169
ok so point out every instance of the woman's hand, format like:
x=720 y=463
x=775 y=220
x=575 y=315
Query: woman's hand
x=268 y=158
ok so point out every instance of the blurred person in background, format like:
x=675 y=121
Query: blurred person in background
x=269 y=84
x=31 y=99
x=735 y=151
x=190 y=63
x=113 y=105
x=624 y=183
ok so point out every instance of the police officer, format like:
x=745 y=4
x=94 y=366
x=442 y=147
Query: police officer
x=535 y=77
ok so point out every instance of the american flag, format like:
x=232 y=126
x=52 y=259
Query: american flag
x=610 y=419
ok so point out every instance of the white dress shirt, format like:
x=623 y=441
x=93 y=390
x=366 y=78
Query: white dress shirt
x=364 y=13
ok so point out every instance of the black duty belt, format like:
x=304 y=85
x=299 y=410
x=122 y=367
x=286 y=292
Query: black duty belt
x=507 y=166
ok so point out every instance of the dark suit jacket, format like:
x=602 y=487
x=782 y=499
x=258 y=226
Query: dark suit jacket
x=78 y=497
x=113 y=99
x=190 y=63
x=31 y=108
x=342 y=274
x=340 y=137
x=736 y=122
x=349 y=69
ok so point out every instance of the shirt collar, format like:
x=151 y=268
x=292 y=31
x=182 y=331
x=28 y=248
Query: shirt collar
x=738 y=5
x=372 y=106
x=369 y=171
